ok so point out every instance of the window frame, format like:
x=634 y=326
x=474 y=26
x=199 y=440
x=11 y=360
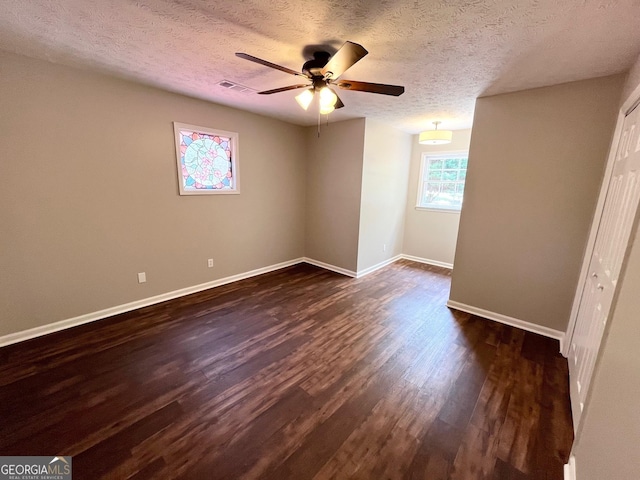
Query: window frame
x=183 y=188
x=421 y=180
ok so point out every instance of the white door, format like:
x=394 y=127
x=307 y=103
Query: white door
x=606 y=261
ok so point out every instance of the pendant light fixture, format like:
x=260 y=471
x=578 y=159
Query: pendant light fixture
x=435 y=137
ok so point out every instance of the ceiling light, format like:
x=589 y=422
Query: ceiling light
x=327 y=109
x=435 y=137
x=327 y=99
x=305 y=98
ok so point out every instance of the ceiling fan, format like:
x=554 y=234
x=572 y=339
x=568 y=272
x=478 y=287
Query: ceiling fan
x=324 y=71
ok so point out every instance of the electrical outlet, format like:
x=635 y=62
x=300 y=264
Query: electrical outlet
x=210 y=263
x=142 y=277
x=384 y=247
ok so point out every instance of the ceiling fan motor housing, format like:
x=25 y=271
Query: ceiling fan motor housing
x=313 y=68
x=324 y=70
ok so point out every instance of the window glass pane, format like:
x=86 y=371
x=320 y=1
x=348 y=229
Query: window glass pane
x=450 y=195
x=452 y=163
x=431 y=192
x=435 y=163
x=448 y=188
x=433 y=188
x=450 y=175
x=442 y=185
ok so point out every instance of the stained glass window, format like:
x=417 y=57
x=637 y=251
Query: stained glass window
x=442 y=181
x=207 y=160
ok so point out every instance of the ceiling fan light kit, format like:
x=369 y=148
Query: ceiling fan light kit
x=435 y=137
x=305 y=98
x=323 y=71
x=327 y=109
x=328 y=98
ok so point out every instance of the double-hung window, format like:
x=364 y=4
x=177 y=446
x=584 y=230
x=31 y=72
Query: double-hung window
x=442 y=179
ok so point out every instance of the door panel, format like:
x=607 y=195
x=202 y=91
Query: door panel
x=611 y=243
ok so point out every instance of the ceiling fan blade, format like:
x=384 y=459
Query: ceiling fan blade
x=339 y=103
x=348 y=55
x=395 y=90
x=251 y=58
x=283 y=89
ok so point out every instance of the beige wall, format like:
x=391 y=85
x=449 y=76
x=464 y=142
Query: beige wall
x=535 y=165
x=89 y=195
x=429 y=234
x=384 y=191
x=607 y=444
x=334 y=182
x=632 y=81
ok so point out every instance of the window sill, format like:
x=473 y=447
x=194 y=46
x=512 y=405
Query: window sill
x=436 y=209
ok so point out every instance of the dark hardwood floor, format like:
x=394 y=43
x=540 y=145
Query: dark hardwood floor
x=300 y=373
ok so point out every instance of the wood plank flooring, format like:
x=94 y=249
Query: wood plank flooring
x=297 y=374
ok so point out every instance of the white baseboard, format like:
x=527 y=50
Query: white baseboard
x=367 y=271
x=514 y=322
x=328 y=266
x=108 y=312
x=570 y=469
x=435 y=263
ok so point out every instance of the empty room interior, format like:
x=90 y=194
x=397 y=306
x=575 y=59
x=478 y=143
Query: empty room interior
x=317 y=240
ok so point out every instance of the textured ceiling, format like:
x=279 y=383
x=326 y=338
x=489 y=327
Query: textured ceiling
x=446 y=53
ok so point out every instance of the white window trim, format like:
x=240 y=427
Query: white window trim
x=436 y=209
x=421 y=181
